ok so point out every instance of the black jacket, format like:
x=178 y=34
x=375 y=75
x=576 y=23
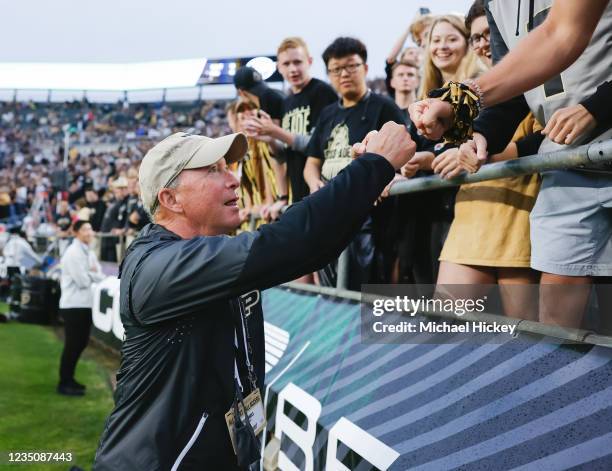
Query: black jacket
x=179 y=308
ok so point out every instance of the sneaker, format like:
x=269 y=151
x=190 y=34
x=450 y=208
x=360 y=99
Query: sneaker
x=69 y=390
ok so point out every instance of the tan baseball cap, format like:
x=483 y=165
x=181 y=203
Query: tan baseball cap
x=182 y=151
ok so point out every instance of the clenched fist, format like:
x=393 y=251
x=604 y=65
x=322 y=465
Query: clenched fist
x=392 y=142
x=432 y=117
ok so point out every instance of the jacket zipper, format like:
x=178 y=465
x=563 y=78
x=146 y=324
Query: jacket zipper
x=191 y=441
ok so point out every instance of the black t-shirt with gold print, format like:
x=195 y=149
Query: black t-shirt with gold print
x=339 y=128
x=300 y=114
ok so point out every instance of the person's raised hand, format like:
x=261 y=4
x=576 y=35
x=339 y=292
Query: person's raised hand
x=566 y=124
x=421 y=160
x=447 y=164
x=252 y=127
x=431 y=117
x=244 y=214
x=393 y=143
x=473 y=153
x=264 y=212
x=276 y=208
x=396 y=178
x=264 y=123
x=315 y=186
x=409 y=169
x=359 y=148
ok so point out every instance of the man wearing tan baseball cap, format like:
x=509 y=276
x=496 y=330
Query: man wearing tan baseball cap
x=190 y=303
x=193 y=159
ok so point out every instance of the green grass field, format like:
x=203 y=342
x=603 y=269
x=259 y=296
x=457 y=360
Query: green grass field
x=32 y=415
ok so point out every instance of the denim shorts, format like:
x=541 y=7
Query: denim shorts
x=571 y=224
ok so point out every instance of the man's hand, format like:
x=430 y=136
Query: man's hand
x=360 y=148
x=566 y=124
x=447 y=164
x=409 y=169
x=260 y=126
x=393 y=143
x=315 y=185
x=432 y=117
x=271 y=212
x=244 y=214
x=473 y=154
x=275 y=209
x=396 y=178
x=264 y=212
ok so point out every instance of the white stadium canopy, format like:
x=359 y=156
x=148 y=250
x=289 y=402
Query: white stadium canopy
x=172 y=80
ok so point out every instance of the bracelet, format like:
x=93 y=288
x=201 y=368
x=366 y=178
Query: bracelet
x=465 y=104
x=476 y=88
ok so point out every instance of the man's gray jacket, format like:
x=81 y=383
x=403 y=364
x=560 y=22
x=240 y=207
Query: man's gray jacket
x=179 y=306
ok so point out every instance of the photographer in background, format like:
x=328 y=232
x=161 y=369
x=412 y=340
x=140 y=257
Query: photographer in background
x=18 y=252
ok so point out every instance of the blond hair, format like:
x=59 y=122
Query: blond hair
x=420 y=24
x=292 y=43
x=469 y=67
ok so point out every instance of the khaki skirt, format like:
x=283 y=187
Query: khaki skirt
x=491 y=225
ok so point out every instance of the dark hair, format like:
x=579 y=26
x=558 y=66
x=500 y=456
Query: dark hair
x=342 y=47
x=76 y=227
x=17 y=230
x=476 y=11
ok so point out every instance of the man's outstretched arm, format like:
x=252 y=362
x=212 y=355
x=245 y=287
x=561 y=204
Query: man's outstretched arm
x=182 y=276
x=545 y=52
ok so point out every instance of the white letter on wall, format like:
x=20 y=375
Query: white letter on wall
x=311 y=408
x=361 y=442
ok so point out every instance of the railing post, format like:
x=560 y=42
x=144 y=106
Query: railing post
x=343 y=270
x=253 y=222
x=121 y=247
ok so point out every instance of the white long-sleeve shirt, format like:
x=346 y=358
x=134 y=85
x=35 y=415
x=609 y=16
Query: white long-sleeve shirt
x=80 y=270
x=19 y=253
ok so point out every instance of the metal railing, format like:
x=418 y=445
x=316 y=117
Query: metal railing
x=589 y=154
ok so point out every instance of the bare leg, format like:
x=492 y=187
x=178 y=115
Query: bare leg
x=563 y=299
x=604 y=298
x=518 y=288
x=463 y=281
x=395 y=273
x=308 y=279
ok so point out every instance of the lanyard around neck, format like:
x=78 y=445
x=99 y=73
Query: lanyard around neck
x=247 y=350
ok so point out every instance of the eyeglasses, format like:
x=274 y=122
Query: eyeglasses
x=476 y=38
x=350 y=68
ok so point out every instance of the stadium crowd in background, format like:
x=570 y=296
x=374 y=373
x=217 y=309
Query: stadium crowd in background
x=475 y=234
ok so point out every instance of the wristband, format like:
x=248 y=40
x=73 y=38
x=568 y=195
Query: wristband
x=465 y=104
x=476 y=89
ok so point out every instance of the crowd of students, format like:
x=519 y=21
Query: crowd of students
x=477 y=234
